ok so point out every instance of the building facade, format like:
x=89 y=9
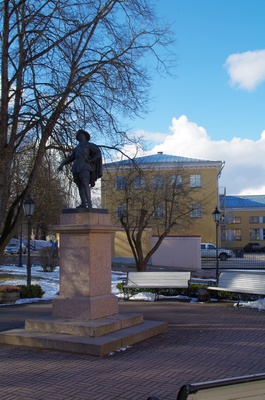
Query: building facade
x=244 y=220
x=156 y=182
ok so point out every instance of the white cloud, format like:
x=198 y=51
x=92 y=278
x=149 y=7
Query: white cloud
x=246 y=70
x=244 y=169
x=153 y=137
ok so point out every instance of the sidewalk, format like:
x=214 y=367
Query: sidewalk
x=203 y=342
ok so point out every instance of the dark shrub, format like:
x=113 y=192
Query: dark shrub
x=31 y=291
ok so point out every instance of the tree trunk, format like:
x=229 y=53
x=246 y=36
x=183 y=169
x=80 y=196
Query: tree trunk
x=141 y=265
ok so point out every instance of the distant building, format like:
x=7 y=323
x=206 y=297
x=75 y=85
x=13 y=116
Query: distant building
x=244 y=220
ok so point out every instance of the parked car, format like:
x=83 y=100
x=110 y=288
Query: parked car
x=254 y=248
x=208 y=250
x=14 y=248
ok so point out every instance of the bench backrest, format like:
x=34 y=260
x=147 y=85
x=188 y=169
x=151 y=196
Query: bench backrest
x=249 y=387
x=166 y=279
x=243 y=281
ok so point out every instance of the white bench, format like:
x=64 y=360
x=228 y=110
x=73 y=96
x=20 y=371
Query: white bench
x=241 y=282
x=155 y=280
x=240 y=388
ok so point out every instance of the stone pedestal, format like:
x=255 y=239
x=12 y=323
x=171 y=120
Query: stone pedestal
x=85 y=266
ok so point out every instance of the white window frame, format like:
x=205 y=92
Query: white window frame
x=120 y=182
x=196 y=210
x=176 y=181
x=119 y=210
x=234 y=220
x=195 y=180
x=254 y=234
x=159 y=211
x=139 y=182
x=158 y=182
x=236 y=234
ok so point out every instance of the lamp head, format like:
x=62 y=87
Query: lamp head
x=29 y=207
x=216 y=215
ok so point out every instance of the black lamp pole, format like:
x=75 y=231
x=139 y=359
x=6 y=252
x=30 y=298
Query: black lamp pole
x=20 y=264
x=29 y=206
x=216 y=217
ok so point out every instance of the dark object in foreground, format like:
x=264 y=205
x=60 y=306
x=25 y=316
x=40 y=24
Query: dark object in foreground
x=232 y=388
x=240 y=388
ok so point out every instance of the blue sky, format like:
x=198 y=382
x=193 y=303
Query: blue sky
x=214 y=108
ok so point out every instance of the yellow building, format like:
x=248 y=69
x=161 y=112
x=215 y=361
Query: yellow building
x=163 y=184
x=244 y=220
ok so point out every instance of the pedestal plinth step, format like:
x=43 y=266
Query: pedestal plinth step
x=97 y=346
x=92 y=328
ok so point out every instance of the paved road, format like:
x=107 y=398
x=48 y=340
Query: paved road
x=204 y=342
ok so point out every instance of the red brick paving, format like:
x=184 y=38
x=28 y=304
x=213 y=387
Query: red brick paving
x=204 y=342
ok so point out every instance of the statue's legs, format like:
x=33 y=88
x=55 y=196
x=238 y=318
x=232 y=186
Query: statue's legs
x=85 y=195
x=83 y=184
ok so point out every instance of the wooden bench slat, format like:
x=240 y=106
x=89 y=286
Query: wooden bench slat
x=241 y=282
x=157 y=280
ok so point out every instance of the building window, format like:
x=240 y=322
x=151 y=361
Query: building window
x=158 y=182
x=120 y=182
x=139 y=182
x=253 y=220
x=234 y=220
x=236 y=234
x=254 y=234
x=196 y=211
x=256 y=220
x=120 y=210
x=195 y=180
x=159 y=211
x=176 y=180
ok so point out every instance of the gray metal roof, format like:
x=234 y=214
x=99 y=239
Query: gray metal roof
x=159 y=158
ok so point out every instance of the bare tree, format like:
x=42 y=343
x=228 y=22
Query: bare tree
x=49 y=193
x=153 y=199
x=50 y=197
x=67 y=65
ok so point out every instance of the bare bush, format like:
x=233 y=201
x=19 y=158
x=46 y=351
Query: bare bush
x=49 y=259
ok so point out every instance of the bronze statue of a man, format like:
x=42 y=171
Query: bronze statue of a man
x=87 y=166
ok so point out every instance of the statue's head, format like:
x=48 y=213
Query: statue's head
x=81 y=132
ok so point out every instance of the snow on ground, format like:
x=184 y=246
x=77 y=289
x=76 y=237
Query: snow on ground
x=49 y=281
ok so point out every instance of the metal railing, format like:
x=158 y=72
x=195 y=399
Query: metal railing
x=239 y=260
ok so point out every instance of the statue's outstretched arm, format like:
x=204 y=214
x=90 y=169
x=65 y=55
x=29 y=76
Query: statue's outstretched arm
x=67 y=160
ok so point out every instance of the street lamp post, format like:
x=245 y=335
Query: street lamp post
x=29 y=206
x=216 y=217
x=20 y=264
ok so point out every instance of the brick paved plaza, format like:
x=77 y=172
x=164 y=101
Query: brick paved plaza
x=203 y=342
